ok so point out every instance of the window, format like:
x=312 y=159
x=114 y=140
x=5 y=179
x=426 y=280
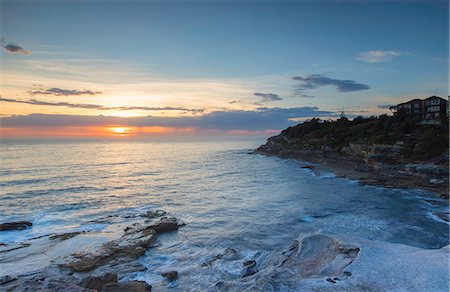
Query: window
x=433 y=109
x=435 y=102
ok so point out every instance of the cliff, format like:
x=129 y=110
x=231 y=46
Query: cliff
x=394 y=151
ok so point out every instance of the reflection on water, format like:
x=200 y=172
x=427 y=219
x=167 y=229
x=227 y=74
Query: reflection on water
x=227 y=196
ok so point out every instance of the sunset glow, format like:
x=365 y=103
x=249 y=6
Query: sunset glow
x=174 y=77
x=123 y=131
x=99 y=131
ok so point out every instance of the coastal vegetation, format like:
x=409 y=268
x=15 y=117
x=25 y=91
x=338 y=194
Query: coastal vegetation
x=416 y=141
x=392 y=151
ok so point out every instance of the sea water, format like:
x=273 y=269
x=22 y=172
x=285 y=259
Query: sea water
x=228 y=196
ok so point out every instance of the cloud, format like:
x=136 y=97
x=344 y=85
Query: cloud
x=63 y=92
x=377 y=56
x=251 y=120
x=99 y=107
x=385 y=106
x=265 y=97
x=314 y=81
x=15 y=49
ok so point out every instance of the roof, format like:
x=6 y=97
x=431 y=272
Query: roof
x=417 y=99
x=434 y=97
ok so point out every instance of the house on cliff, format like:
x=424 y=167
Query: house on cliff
x=429 y=111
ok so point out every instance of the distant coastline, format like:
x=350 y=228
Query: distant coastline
x=391 y=151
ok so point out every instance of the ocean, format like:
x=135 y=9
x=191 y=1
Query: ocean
x=228 y=197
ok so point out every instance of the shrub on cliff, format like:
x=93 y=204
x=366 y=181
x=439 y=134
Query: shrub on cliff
x=419 y=141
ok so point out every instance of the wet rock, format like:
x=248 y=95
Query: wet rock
x=230 y=254
x=249 y=268
x=133 y=286
x=309 y=166
x=133 y=228
x=88 y=262
x=7 y=279
x=130 y=245
x=166 y=224
x=19 y=225
x=318 y=255
x=133 y=243
x=97 y=283
x=59 y=285
x=342 y=277
x=65 y=236
x=249 y=263
x=155 y=214
x=122 y=265
x=170 y=275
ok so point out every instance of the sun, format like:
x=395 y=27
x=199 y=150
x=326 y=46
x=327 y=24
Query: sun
x=121 y=131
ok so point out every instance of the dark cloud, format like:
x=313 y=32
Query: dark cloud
x=63 y=92
x=314 y=81
x=234 y=101
x=15 y=49
x=385 y=106
x=252 y=120
x=265 y=97
x=99 y=107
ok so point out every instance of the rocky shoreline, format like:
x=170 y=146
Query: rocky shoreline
x=373 y=165
x=105 y=264
x=106 y=260
x=82 y=260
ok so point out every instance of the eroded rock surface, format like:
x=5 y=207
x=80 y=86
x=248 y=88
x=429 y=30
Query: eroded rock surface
x=65 y=236
x=135 y=240
x=19 y=225
x=133 y=286
x=7 y=279
x=97 y=283
x=85 y=260
x=319 y=255
x=170 y=275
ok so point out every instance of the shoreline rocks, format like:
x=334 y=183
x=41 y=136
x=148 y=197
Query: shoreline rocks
x=372 y=170
x=319 y=256
x=89 y=261
x=18 y=225
x=133 y=243
x=249 y=268
x=132 y=286
x=65 y=236
x=97 y=283
x=170 y=275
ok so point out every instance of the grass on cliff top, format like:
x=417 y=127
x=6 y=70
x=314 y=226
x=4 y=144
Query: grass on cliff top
x=417 y=141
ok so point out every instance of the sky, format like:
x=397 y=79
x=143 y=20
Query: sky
x=120 y=68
